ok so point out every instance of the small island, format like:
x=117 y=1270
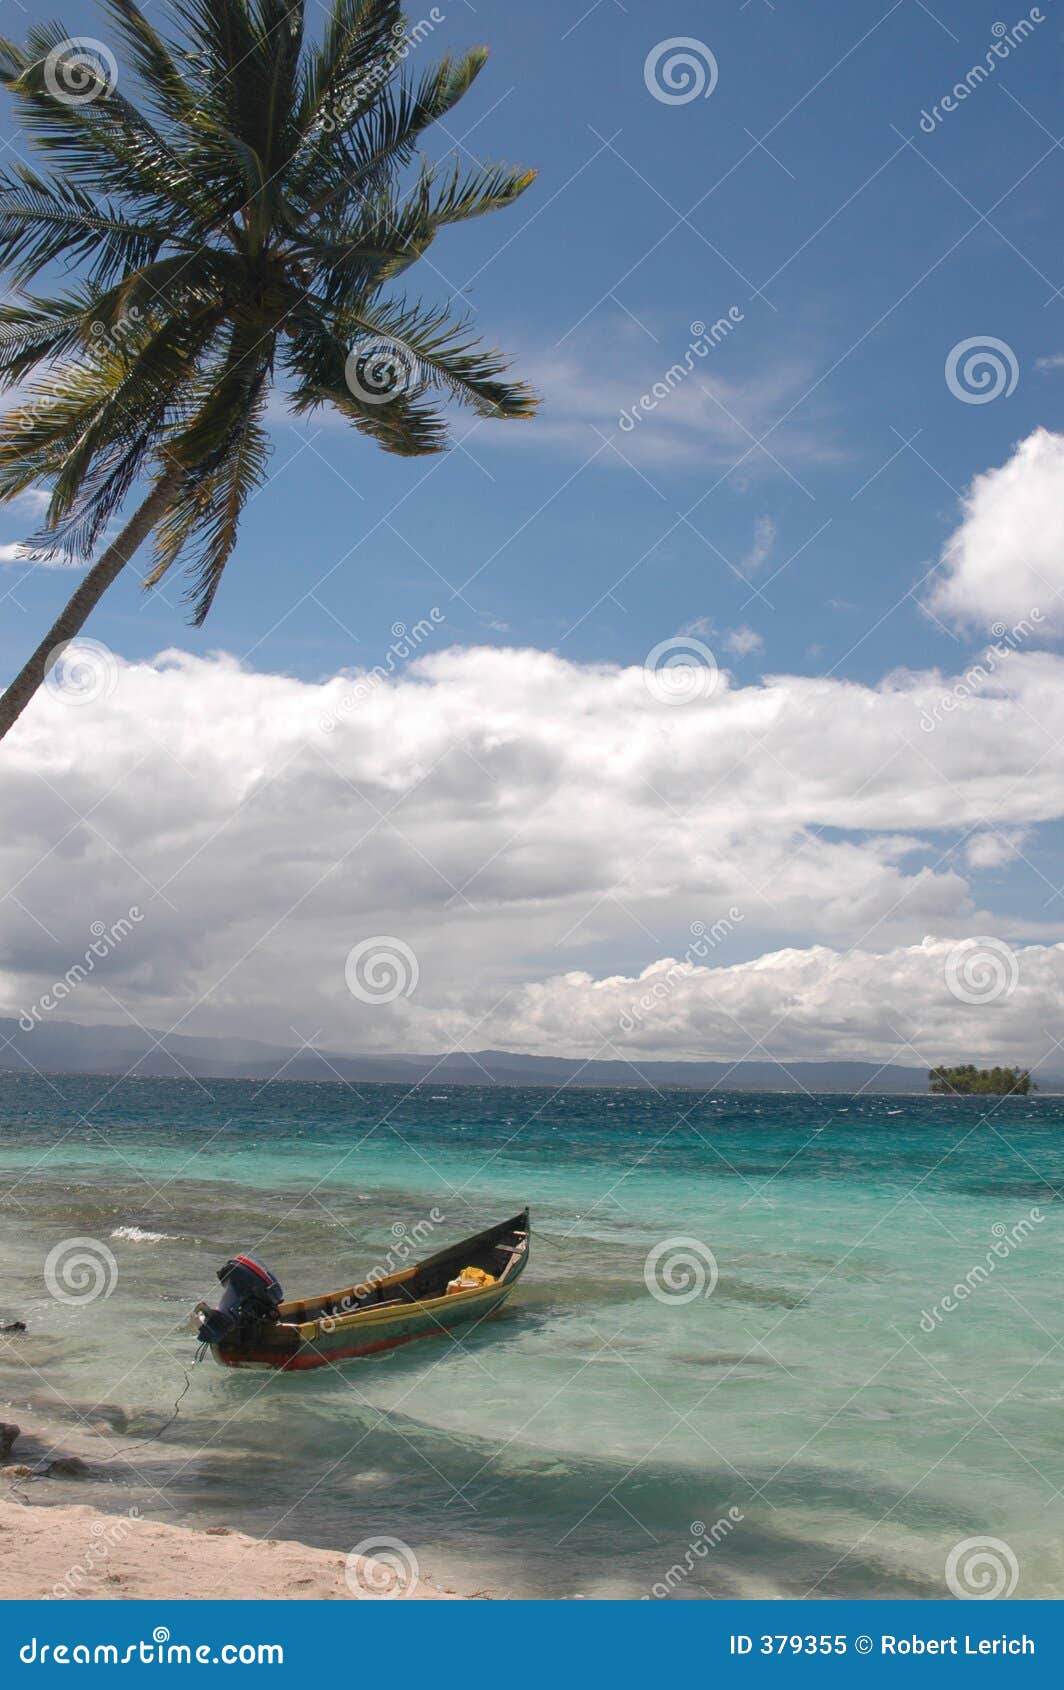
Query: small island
x=969 y=1081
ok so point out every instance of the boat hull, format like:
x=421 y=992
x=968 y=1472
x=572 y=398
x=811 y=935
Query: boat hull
x=331 y=1339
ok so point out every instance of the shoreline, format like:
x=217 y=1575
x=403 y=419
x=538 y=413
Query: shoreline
x=70 y=1552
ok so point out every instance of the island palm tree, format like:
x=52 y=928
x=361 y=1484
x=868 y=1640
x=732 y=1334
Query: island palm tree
x=235 y=227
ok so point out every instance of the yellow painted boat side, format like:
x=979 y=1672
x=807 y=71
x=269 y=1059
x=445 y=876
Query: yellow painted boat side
x=362 y=1320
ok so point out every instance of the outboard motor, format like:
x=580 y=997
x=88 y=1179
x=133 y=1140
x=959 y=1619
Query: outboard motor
x=250 y=1297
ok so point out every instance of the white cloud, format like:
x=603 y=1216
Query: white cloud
x=701 y=625
x=16 y=553
x=713 y=416
x=30 y=503
x=992 y=850
x=761 y=550
x=743 y=641
x=32 y=499
x=516 y=819
x=807 y=1005
x=1006 y=560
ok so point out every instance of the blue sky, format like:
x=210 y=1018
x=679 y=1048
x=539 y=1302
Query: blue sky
x=784 y=503
x=860 y=252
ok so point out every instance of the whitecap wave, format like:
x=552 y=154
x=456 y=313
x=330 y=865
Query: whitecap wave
x=139 y=1235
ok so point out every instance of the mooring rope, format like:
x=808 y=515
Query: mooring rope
x=120 y=1455
x=153 y=1437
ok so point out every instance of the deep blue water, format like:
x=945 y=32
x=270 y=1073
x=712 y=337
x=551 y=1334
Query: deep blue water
x=831 y=1422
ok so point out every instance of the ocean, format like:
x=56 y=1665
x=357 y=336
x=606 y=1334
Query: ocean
x=767 y=1345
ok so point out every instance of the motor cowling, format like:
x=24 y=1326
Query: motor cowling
x=251 y=1295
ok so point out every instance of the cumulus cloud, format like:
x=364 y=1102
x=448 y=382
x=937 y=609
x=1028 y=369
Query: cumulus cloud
x=517 y=821
x=1006 y=560
x=992 y=850
x=743 y=641
x=918 y=1004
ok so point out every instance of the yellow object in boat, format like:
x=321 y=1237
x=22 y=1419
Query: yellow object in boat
x=470 y=1279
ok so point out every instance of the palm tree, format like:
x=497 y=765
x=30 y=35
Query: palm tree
x=235 y=228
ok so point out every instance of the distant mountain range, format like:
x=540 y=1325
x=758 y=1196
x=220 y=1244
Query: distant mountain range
x=64 y=1047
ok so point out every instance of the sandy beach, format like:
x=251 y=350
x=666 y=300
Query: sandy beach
x=65 y=1552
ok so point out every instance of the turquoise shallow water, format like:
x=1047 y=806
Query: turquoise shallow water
x=820 y=1423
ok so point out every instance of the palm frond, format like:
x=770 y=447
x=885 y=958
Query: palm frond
x=248 y=52
x=251 y=204
x=404 y=425
x=440 y=354
x=365 y=147
x=155 y=63
x=90 y=426
x=100 y=140
x=36 y=331
x=357 y=52
x=384 y=236
x=490 y=187
x=35 y=435
x=43 y=222
x=223 y=452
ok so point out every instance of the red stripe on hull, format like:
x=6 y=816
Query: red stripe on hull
x=299 y=1362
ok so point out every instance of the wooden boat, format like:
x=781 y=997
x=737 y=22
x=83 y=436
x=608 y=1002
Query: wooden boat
x=380 y=1314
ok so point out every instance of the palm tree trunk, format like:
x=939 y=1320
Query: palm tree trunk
x=72 y=619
